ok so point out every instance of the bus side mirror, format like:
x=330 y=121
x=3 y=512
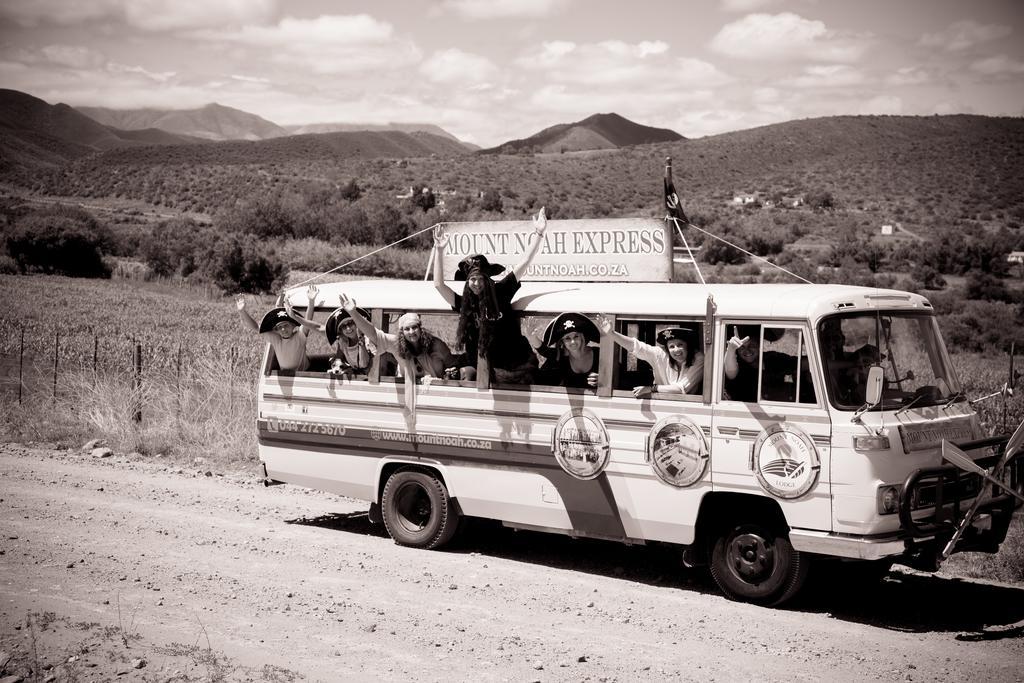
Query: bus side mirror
x=876 y=379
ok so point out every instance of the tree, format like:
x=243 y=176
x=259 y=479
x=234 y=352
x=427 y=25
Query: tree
x=986 y=286
x=351 y=191
x=423 y=197
x=716 y=251
x=820 y=199
x=59 y=244
x=490 y=200
x=238 y=265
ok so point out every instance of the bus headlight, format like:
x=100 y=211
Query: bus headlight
x=870 y=442
x=888 y=498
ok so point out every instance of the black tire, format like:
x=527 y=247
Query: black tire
x=417 y=510
x=752 y=563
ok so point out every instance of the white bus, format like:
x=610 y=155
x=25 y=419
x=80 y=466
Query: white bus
x=811 y=462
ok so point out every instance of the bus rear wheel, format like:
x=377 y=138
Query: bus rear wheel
x=417 y=510
x=752 y=563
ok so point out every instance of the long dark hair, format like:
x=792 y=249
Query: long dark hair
x=405 y=349
x=477 y=316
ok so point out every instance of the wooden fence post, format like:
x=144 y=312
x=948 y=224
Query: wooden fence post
x=56 y=357
x=21 y=363
x=137 y=381
x=1010 y=380
x=95 y=352
x=231 y=375
x=177 y=385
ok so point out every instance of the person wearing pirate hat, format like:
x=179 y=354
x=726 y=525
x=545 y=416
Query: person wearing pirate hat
x=487 y=324
x=677 y=363
x=353 y=351
x=574 y=362
x=282 y=331
x=419 y=353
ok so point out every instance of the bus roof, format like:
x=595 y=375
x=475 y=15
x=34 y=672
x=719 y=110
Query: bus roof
x=662 y=299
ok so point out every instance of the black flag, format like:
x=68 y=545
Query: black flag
x=672 y=203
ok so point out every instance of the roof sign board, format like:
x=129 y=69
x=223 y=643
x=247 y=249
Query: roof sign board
x=585 y=250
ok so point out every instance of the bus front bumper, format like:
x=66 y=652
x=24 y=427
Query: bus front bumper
x=841 y=545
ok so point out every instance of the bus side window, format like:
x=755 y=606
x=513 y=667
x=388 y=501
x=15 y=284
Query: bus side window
x=632 y=371
x=785 y=370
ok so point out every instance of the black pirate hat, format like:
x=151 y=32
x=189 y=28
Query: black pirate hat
x=570 y=322
x=333 y=325
x=477 y=262
x=275 y=316
x=684 y=334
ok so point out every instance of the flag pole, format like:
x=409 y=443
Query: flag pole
x=675 y=212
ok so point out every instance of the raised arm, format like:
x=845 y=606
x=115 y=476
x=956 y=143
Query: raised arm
x=244 y=316
x=605 y=325
x=731 y=364
x=364 y=325
x=440 y=241
x=308 y=324
x=311 y=293
x=540 y=224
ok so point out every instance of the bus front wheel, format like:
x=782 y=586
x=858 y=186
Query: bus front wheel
x=752 y=563
x=417 y=510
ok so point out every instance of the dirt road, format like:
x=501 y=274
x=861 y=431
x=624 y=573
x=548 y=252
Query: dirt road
x=127 y=569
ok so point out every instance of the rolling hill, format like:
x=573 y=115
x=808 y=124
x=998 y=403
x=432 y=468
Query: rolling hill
x=600 y=131
x=212 y=122
x=325 y=147
x=375 y=127
x=34 y=133
x=927 y=173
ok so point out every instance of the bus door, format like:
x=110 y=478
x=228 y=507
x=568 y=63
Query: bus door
x=771 y=431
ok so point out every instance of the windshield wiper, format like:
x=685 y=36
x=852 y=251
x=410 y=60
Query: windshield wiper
x=911 y=404
x=952 y=399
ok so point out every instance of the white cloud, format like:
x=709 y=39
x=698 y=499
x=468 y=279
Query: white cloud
x=64 y=56
x=644 y=65
x=505 y=9
x=1000 y=65
x=745 y=5
x=830 y=76
x=963 y=35
x=454 y=66
x=883 y=104
x=909 y=75
x=158 y=76
x=249 y=79
x=36 y=12
x=326 y=45
x=549 y=54
x=149 y=15
x=788 y=36
x=766 y=95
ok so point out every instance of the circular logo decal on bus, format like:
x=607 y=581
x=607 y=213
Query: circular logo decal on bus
x=785 y=461
x=677 y=450
x=580 y=444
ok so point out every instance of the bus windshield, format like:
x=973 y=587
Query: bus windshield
x=907 y=346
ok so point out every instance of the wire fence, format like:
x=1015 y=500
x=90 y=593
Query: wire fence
x=147 y=395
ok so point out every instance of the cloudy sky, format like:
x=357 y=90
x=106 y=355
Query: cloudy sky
x=491 y=70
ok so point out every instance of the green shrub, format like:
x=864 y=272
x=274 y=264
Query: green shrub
x=60 y=244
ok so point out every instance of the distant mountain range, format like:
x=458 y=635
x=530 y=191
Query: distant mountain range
x=36 y=134
x=600 y=131
x=212 y=122
x=374 y=127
